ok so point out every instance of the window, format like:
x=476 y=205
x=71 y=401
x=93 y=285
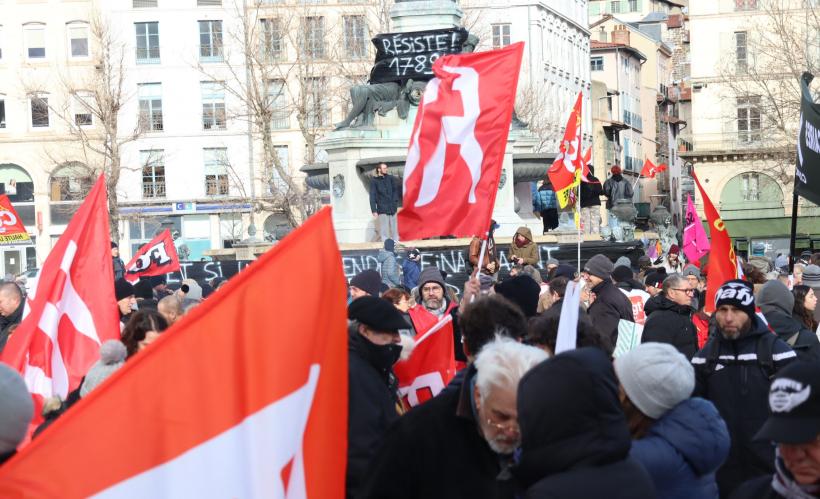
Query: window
x=315 y=106
x=271 y=38
x=2 y=111
x=280 y=118
x=216 y=171
x=213 y=106
x=355 y=37
x=147 y=42
x=210 y=40
x=741 y=52
x=81 y=108
x=150 y=98
x=745 y=4
x=35 y=39
x=78 y=40
x=748 y=119
x=750 y=187
x=596 y=63
x=39 y=111
x=70 y=183
x=314 y=37
x=153 y=174
x=615 y=7
x=142 y=4
x=501 y=35
x=632 y=5
x=277 y=182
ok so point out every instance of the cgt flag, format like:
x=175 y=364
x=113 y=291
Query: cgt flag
x=566 y=171
x=431 y=364
x=12 y=230
x=221 y=405
x=457 y=145
x=158 y=257
x=650 y=169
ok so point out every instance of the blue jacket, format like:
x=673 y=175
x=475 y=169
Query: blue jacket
x=411 y=271
x=543 y=199
x=683 y=449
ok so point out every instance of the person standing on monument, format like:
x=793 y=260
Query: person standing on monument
x=384 y=200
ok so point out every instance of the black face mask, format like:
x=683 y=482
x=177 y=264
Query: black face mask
x=382 y=356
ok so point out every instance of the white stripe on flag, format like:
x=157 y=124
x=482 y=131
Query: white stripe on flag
x=568 y=323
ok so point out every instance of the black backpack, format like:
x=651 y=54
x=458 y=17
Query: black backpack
x=764 y=349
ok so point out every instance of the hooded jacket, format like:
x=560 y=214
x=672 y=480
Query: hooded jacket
x=671 y=323
x=609 y=307
x=617 y=187
x=777 y=302
x=389 y=268
x=574 y=437
x=683 y=449
x=529 y=252
x=591 y=192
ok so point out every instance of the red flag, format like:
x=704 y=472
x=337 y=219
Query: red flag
x=650 y=169
x=221 y=404
x=155 y=258
x=722 y=264
x=12 y=230
x=587 y=159
x=431 y=364
x=565 y=172
x=73 y=309
x=457 y=146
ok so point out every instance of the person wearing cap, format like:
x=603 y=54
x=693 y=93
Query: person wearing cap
x=432 y=304
x=616 y=188
x=624 y=280
x=733 y=370
x=609 y=305
x=119 y=266
x=776 y=303
x=12 y=305
x=692 y=274
x=16 y=411
x=411 y=269
x=388 y=266
x=679 y=439
x=672 y=263
x=365 y=283
x=489 y=264
x=126 y=300
x=654 y=283
x=794 y=426
x=671 y=320
x=805 y=257
x=374 y=403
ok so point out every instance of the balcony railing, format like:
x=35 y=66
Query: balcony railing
x=729 y=141
x=151 y=190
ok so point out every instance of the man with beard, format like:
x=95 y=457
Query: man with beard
x=733 y=371
x=432 y=305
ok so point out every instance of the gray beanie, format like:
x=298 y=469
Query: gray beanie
x=623 y=261
x=16 y=409
x=775 y=296
x=656 y=377
x=600 y=266
x=431 y=274
x=112 y=357
x=811 y=276
x=553 y=261
x=691 y=270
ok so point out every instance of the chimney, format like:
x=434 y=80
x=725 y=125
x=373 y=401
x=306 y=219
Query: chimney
x=620 y=35
x=602 y=35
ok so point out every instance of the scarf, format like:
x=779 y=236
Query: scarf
x=519 y=244
x=784 y=484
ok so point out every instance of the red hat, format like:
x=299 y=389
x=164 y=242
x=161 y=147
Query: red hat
x=674 y=250
x=616 y=170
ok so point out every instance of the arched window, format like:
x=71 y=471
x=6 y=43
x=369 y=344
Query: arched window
x=16 y=183
x=71 y=182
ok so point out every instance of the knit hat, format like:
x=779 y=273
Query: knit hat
x=691 y=270
x=389 y=245
x=194 y=290
x=622 y=274
x=775 y=295
x=523 y=291
x=114 y=245
x=564 y=270
x=431 y=274
x=811 y=276
x=806 y=255
x=644 y=261
x=144 y=290
x=674 y=250
x=656 y=377
x=553 y=261
x=16 y=410
x=654 y=279
x=623 y=261
x=158 y=280
x=368 y=281
x=737 y=293
x=112 y=357
x=379 y=314
x=600 y=266
x=123 y=289
x=616 y=170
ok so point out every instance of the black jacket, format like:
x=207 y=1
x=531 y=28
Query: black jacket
x=671 y=323
x=734 y=375
x=384 y=195
x=802 y=340
x=609 y=307
x=436 y=450
x=119 y=267
x=8 y=322
x=757 y=488
x=373 y=407
x=591 y=192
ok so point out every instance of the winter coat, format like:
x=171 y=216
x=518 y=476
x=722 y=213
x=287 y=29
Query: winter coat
x=373 y=407
x=389 y=268
x=529 y=252
x=802 y=340
x=410 y=273
x=119 y=267
x=591 y=192
x=683 y=449
x=757 y=488
x=544 y=199
x=671 y=323
x=574 y=436
x=384 y=194
x=490 y=255
x=609 y=307
x=673 y=269
x=436 y=450
x=734 y=375
x=8 y=322
x=617 y=187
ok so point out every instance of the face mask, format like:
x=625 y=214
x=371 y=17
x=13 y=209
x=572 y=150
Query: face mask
x=383 y=356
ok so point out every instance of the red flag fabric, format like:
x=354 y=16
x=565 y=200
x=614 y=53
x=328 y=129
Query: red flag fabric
x=565 y=172
x=72 y=310
x=246 y=396
x=650 y=169
x=587 y=159
x=157 y=257
x=431 y=364
x=12 y=230
x=457 y=146
x=722 y=264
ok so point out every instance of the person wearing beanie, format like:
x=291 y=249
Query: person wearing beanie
x=119 y=266
x=12 y=304
x=670 y=320
x=565 y=270
x=432 y=304
x=521 y=290
x=365 y=283
x=126 y=299
x=16 y=411
x=805 y=257
x=388 y=265
x=623 y=261
x=144 y=295
x=654 y=282
x=575 y=438
x=680 y=440
x=112 y=357
x=634 y=291
x=411 y=269
x=523 y=250
x=673 y=263
x=610 y=305
x=777 y=304
x=159 y=283
x=811 y=278
x=692 y=274
x=732 y=370
x=616 y=188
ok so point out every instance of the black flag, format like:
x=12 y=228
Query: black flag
x=807 y=173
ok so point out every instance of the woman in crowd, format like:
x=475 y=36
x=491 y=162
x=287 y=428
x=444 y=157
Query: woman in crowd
x=805 y=301
x=144 y=327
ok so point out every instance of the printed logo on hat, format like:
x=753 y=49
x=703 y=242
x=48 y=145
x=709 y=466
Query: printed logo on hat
x=735 y=291
x=786 y=394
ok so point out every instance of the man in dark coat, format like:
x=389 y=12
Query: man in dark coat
x=671 y=321
x=384 y=201
x=777 y=302
x=575 y=439
x=610 y=305
x=733 y=370
x=119 y=267
x=374 y=405
x=11 y=310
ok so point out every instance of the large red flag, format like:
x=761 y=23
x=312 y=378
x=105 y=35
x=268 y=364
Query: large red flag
x=12 y=230
x=722 y=264
x=457 y=146
x=431 y=364
x=246 y=396
x=72 y=310
x=650 y=169
x=565 y=172
x=157 y=257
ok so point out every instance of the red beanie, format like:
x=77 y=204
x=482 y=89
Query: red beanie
x=616 y=170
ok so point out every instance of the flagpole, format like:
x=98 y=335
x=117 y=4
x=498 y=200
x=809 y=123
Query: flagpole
x=480 y=260
x=580 y=234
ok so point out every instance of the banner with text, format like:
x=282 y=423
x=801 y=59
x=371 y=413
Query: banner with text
x=410 y=56
x=807 y=173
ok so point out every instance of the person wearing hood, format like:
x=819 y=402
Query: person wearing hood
x=523 y=250
x=575 y=439
x=777 y=303
x=12 y=304
x=388 y=266
x=616 y=188
x=680 y=441
x=591 y=191
x=610 y=305
x=410 y=269
x=672 y=263
x=624 y=280
x=374 y=346
x=671 y=321
x=489 y=263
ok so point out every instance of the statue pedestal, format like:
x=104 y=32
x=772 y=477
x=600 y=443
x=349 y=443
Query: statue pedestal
x=422 y=15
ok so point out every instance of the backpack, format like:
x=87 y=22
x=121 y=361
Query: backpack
x=764 y=349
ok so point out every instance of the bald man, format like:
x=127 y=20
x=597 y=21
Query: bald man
x=170 y=308
x=11 y=309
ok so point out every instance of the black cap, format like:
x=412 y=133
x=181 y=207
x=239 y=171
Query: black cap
x=123 y=289
x=794 y=405
x=564 y=270
x=114 y=245
x=655 y=279
x=368 y=281
x=377 y=313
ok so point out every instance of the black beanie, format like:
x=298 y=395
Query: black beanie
x=389 y=245
x=737 y=293
x=368 y=281
x=523 y=291
x=123 y=289
x=143 y=289
x=622 y=274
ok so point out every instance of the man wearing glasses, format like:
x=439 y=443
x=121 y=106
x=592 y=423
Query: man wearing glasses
x=670 y=320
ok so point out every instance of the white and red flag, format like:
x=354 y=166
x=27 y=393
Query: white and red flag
x=12 y=230
x=73 y=309
x=565 y=172
x=246 y=396
x=431 y=364
x=587 y=160
x=650 y=169
x=158 y=257
x=457 y=146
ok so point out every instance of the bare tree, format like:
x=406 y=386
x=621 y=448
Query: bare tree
x=535 y=107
